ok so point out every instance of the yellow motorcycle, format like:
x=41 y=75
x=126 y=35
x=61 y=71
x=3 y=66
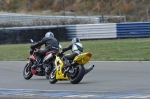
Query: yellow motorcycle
x=75 y=72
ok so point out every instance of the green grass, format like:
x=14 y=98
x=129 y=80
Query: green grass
x=102 y=50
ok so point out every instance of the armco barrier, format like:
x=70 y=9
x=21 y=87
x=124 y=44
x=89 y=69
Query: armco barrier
x=28 y=19
x=133 y=29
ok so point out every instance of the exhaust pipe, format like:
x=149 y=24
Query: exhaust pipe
x=87 y=70
x=46 y=58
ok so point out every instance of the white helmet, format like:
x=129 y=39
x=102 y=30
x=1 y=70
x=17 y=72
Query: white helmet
x=49 y=34
x=75 y=40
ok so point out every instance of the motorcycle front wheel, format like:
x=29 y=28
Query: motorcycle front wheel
x=48 y=71
x=27 y=71
x=52 y=76
x=46 y=75
x=78 y=75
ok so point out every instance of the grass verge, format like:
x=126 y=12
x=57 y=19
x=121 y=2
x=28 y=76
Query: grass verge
x=102 y=50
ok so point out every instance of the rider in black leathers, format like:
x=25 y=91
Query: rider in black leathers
x=51 y=44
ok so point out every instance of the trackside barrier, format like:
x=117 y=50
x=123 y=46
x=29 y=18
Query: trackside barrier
x=109 y=30
x=133 y=29
x=17 y=35
x=82 y=31
x=92 y=31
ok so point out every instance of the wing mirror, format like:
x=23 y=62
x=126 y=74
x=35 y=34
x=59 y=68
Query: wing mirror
x=31 y=40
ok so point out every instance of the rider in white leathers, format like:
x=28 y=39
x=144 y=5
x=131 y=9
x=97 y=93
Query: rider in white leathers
x=76 y=48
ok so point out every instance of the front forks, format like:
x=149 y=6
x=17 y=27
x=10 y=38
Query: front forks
x=28 y=68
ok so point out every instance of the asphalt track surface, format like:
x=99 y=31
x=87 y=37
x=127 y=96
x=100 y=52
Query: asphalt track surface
x=108 y=79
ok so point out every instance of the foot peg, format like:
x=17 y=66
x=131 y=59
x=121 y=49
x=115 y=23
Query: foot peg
x=66 y=71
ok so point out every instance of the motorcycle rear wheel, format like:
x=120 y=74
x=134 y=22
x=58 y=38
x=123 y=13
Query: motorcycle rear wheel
x=52 y=76
x=27 y=74
x=79 y=74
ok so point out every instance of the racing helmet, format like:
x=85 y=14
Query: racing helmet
x=49 y=34
x=75 y=40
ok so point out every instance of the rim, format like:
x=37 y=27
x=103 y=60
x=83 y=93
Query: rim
x=53 y=74
x=73 y=76
x=27 y=71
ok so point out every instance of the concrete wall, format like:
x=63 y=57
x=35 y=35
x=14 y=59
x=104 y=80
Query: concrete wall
x=15 y=36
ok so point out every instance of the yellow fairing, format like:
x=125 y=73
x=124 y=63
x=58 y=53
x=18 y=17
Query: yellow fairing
x=59 y=67
x=83 y=58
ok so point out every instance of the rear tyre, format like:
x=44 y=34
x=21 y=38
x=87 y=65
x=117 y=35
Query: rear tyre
x=27 y=71
x=79 y=74
x=52 y=76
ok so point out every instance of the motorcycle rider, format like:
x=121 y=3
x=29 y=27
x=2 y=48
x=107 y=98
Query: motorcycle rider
x=76 y=48
x=51 y=44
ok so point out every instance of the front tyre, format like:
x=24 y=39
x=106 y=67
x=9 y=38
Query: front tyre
x=48 y=71
x=27 y=71
x=79 y=74
x=52 y=76
x=46 y=75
